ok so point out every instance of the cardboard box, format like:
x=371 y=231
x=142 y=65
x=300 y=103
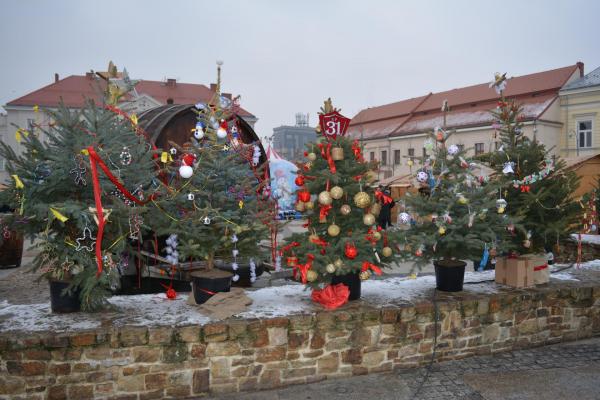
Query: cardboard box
x=541 y=272
x=515 y=272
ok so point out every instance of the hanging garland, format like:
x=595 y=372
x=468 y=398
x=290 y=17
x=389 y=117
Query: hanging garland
x=535 y=177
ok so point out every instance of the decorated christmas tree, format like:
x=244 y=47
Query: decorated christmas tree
x=342 y=238
x=215 y=196
x=457 y=214
x=79 y=186
x=535 y=183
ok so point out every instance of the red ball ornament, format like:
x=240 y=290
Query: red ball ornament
x=350 y=251
x=299 y=180
x=188 y=159
x=304 y=196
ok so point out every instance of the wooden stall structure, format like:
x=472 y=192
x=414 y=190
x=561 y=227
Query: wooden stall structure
x=588 y=169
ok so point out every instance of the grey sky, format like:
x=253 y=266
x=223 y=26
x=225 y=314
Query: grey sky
x=285 y=57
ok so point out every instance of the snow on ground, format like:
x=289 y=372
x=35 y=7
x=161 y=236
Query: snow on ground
x=593 y=239
x=156 y=310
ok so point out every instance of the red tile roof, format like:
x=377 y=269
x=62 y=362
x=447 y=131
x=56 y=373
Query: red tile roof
x=74 y=89
x=470 y=105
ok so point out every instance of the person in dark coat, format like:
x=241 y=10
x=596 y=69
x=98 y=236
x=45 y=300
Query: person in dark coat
x=385 y=215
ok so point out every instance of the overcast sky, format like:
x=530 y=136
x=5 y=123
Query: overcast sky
x=285 y=57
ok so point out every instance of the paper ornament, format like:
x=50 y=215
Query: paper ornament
x=422 y=176
x=404 y=218
x=453 y=150
x=508 y=168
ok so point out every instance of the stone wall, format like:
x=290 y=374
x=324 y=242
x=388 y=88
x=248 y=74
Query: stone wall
x=568 y=252
x=238 y=355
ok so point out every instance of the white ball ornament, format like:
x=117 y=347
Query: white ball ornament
x=199 y=132
x=404 y=218
x=190 y=196
x=453 y=150
x=186 y=172
x=422 y=176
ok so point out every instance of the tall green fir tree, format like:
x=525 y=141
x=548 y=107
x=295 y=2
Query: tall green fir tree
x=214 y=203
x=339 y=204
x=456 y=214
x=52 y=192
x=534 y=181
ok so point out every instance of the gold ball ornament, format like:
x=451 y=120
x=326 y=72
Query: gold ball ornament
x=338 y=263
x=300 y=206
x=309 y=205
x=362 y=200
x=462 y=200
x=312 y=156
x=364 y=275
x=345 y=209
x=333 y=230
x=311 y=275
x=377 y=235
x=325 y=198
x=330 y=268
x=501 y=210
x=442 y=230
x=386 y=251
x=336 y=192
x=369 y=219
x=314 y=237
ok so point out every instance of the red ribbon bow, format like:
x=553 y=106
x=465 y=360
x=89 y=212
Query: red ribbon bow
x=525 y=188
x=367 y=265
x=379 y=195
x=305 y=267
x=332 y=296
x=357 y=152
x=326 y=154
x=324 y=211
x=320 y=242
x=287 y=248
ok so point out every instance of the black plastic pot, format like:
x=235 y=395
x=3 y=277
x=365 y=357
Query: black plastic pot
x=243 y=272
x=352 y=280
x=67 y=303
x=207 y=283
x=449 y=275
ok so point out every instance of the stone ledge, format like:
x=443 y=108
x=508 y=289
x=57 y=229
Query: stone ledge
x=250 y=354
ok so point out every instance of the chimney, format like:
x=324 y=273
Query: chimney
x=580 y=66
x=226 y=95
x=213 y=87
x=89 y=75
x=171 y=82
x=55 y=77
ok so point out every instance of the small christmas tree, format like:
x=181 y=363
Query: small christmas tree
x=456 y=214
x=342 y=236
x=214 y=193
x=534 y=182
x=55 y=192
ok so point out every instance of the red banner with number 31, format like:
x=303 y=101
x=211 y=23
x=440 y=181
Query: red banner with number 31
x=333 y=124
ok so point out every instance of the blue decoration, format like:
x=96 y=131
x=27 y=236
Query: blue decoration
x=484 y=258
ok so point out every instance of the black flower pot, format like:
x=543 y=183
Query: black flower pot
x=352 y=280
x=64 y=303
x=449 y=275
x=207 y=283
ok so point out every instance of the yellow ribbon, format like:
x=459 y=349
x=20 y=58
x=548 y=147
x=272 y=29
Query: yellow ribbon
x=19 y=134
x=36 y=108
x=58 y=215
x=18 y=183
x=134 y=119
x=85 y=152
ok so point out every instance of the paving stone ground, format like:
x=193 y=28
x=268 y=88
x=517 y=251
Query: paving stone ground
x=564 y=371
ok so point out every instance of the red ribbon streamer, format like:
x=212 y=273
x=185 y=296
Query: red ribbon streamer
x=287 y=248
x=324 y=211
x=367 y=265
x=379 y=195
x=332 y=296
x=305 y=267
x=540 y=267
x=326 y=154
x=95 y=161
x=357 y=152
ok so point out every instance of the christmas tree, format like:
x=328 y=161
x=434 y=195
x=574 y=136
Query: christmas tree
x=342 y=236
x=214 y=197
x=456 y=214
x=534 y=182
x=63 y=197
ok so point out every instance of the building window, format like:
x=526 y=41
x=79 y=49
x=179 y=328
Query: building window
x=384 y=157
x=461 y=147
x=372 y=156
x=497 y=145
x=411 y=152
x=478 y=148
x=396 y=157
x=584 y=133
x=424 y=153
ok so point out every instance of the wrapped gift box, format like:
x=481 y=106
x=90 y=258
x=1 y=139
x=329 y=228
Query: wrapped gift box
x=516 y=272
x=541 y=272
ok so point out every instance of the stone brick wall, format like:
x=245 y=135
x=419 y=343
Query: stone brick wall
x=568 y=254
x=238 y=355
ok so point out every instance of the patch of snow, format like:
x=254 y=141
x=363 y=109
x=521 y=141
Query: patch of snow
x=593 y=239
x=278 y=301
x=37 y=317
x=564 y=276
x=156 y=310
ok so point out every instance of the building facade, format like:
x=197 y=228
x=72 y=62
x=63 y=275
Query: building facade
x=26 y=112
x=580 y=113
x=290 y=141
x=394 y=133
